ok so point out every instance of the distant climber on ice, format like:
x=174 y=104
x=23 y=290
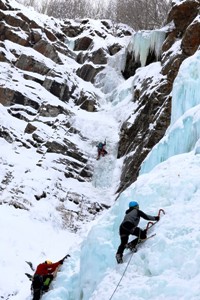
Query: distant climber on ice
x=101 y=150
x=44 y=274
x=129 y=227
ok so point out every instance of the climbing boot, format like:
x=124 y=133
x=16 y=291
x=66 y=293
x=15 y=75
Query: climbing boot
x=119 y=258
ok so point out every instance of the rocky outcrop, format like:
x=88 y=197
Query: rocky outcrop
x=43 y=76
x=47 y=50
x=89 y=103
x=191 y=38
x=28 y=63
x=183 y=15
x=88 y=72
x=83 y=43
x=26 y=32
x=137 y=139
x=44 y=69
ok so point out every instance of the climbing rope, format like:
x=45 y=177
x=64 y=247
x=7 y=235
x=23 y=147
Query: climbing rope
x=124 y=270
x=121 y=277
x=149 y=225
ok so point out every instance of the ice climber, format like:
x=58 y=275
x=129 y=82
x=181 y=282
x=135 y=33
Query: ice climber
x=101 y=150
x=129 y=227
x=44 y=274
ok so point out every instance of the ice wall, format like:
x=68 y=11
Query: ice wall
x=70 y=43
x=184 y=130
x=98 y=251
x=145 y=42
x=111 y=77
x=185 y=93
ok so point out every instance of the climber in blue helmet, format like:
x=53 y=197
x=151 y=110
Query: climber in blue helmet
x=129 y=227
x=101 y=149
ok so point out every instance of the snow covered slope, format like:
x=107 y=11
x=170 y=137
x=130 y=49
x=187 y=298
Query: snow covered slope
x=56 y=198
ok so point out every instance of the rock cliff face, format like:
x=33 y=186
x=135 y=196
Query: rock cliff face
x=45 y=65
x=42 y=76
x=153 y=111
x=37 y=66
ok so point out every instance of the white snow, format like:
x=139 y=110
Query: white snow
x=166 y=266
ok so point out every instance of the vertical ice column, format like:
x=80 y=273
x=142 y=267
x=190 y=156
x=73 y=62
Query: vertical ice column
x=185 y=91
x=145 y=42
x=184 y=130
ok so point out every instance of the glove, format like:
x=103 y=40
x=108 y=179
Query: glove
x=157 y=218
x=62 y=260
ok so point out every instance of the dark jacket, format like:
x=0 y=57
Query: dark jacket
x=132 y=218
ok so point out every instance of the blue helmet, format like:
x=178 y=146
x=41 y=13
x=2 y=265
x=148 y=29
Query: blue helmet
x=133 y=204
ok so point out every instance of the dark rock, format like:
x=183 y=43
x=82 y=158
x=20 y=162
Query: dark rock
x=71 y=31
x=88 y=102
x=14 y=21
x=131 y=66
x=83 y=43
x=30 y=128
x=113 y=49
x=183 y=14
x=28 y=63
x=11 y=34
x=88 y=73
x=50 y=35
x=61 y=90
x=6 y=96
x=191 y=38
x=137 y=139
x=43 y=195
x=98 y=57
x=51 y=111
x=47 y=50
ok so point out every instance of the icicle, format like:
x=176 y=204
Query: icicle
x=144 y=42
x=183 y=134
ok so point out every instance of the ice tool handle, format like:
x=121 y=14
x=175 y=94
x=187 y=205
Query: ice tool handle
x=150 y=224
